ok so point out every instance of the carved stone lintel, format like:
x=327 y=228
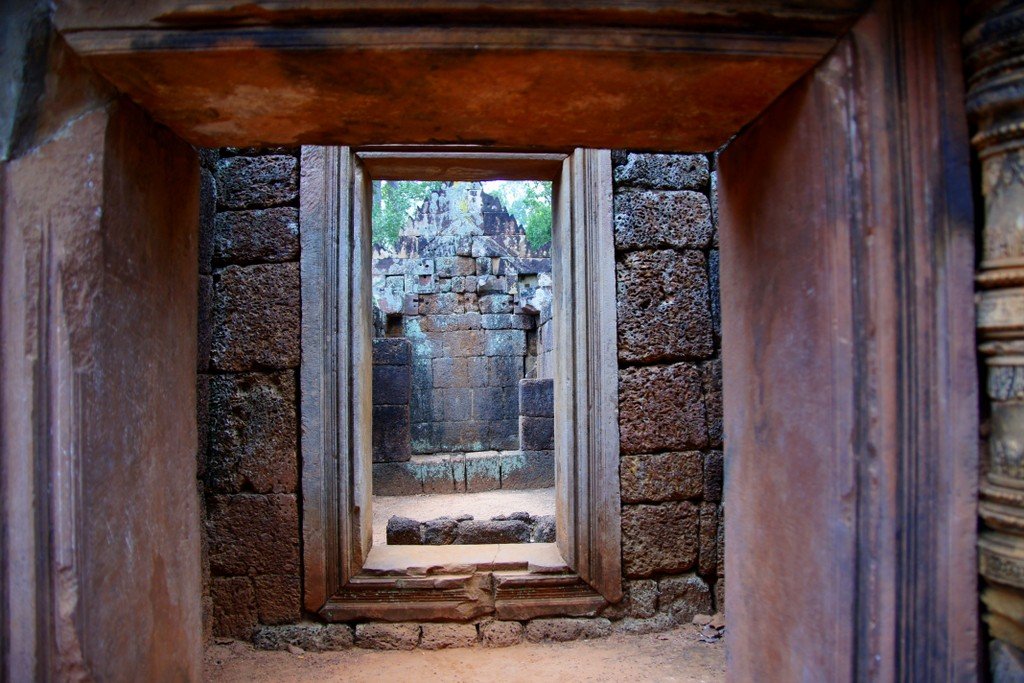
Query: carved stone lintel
x=994 y=54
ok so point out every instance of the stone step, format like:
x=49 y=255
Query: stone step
x=465 y=473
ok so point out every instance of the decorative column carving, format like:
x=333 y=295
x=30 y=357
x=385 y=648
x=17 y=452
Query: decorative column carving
x=994 y=49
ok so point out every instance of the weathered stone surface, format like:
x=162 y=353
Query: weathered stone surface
x=663 y=171
x=258 y=235
x=403 y=531
x=560 y=630
x=502 y=531
x=253 y=433
x=715 y=289
x=495 y=403
x=437 y=473
x=494 y=303
x=338 y=637
x=649 y=220
x=528 y=470
x=720 y=594
x=443 y=636
x=391 y=434
x=396 y=479
x=253 y=534
x=544 y=529
x=639 y=600
x=207 y=218
x=537 y=397
x=661 y=408
x=256 y=314
x=707 y=560
x=638 y=626
x=440 y=531
x=662 y=302
x=204 y=337
x=659 y=539
x=202 y=424
x=713 y=401
x=278 y=598
x=714 y=474
x=536 y=433
x=483 y=471
x=392 y=351
x=375 y=636
x=392 y=385
x=661 y=477
x=721 y=545
x=234 y=606
x=501 y=633
x=506 y=343
x=683 y=597
x=306 y=636
x=257 y=182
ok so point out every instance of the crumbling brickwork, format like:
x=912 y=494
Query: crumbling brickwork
x=248 y=362
x=670 y=404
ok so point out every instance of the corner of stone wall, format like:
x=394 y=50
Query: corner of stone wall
x=249 y=311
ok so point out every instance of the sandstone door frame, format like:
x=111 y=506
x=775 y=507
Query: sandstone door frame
x=264 y=74
x=336 y=376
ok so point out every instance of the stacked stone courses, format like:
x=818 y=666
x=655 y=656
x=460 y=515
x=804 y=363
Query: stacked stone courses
x=249 y=341
x=670 y=409
x=670 y=377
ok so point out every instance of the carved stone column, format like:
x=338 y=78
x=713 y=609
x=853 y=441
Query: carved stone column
x=994 y=49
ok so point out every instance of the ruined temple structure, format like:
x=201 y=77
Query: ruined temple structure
x=786 y=284
x=462 y=381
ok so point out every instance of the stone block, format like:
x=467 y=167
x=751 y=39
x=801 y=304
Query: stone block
x=528 y=470
x=505 y=371
x=256 y=311
x=715 y=291
x=505 y=343
x=714 y=473
x=450 y=373
x=463 y=343
x=536 y=433
x=639 y=600
x=544 y=530
x=707 y=555
x=436 y=475
x=475 y=532
x=495 y=304
x=377 y=636
x=392 y=438
x=253 y=534
x=469 y=435
x=662 y=305
x=491 y=285
x=661 y=408
x=713 y=401
x=278 y=598
x=661 y=477
x=654 y=219
x=207 y=217
x=659 y=539
x=501 y=633
x=663 y=171
x=403 y=531
x=503 y=434
x=450 y=323
x=486 y=247
x=257 y=182
x=453 y=405
x=442 y=303
x=443 y=636
x=455 y=266
x=440 y=531
x=305 y=636
x=396 y=479
x=684 y=597
x=721 y=547
x=537 y=397
x=483 y=471
x=234 y=607
x=477 y=367
x=338 y=637
x=253 y=433
x=639 y=626
x=533 y=266
x=495 y=403
x=719 y=593
x=202 y=424
x=392 y=351
x=257 y=235
x=204 y=324
x=392 y=385
x=563 y=629
x=508 y=321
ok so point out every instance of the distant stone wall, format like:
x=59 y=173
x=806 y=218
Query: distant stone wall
x=670 y=398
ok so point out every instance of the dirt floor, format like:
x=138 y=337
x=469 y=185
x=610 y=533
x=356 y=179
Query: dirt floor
x=676 y=655
x=481 y=505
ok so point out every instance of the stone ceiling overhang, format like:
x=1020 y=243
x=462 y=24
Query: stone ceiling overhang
x=648 y=74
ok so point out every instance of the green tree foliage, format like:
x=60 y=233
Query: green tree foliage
x=530 y=202
x=393 y=202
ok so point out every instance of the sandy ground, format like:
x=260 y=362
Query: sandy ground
x=663 y=657
x=480 y=505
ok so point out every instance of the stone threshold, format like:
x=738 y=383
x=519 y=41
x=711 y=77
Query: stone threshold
x=426 y=560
